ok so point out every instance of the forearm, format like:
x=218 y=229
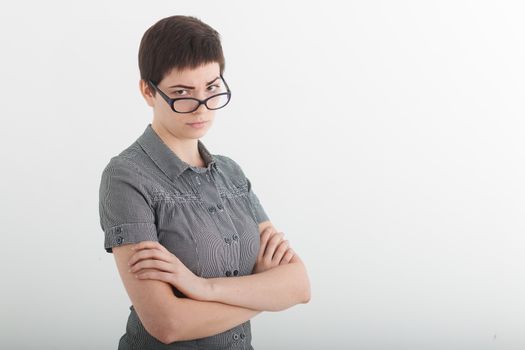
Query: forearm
x=198 y=319
x=272 y=290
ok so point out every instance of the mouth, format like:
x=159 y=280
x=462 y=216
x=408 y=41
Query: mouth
x=198 y=125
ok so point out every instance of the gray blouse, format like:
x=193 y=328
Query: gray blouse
x=206 y=216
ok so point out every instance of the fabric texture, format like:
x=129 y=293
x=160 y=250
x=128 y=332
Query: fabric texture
x=206 y=216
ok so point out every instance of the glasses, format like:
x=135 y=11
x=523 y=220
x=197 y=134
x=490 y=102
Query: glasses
x=190 y=104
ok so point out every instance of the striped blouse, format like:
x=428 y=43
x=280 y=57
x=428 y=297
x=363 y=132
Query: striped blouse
x=206 y=216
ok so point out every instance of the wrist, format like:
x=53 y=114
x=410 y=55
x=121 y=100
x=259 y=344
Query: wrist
x=209 y=289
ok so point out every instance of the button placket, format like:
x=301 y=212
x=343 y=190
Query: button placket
x=197 y=180
x=209 y=192
x=215 y=205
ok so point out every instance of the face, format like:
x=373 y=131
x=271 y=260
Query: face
x=200 y=83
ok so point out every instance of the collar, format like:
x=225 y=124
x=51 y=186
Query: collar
x=167 y=160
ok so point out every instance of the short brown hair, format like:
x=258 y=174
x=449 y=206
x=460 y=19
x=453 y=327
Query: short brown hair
x=180 y=42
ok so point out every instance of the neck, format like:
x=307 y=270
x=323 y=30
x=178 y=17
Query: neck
x=186 y=149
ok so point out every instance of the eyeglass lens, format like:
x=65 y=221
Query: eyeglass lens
x=214 y=102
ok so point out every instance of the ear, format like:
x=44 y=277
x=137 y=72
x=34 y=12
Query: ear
x=145 y=90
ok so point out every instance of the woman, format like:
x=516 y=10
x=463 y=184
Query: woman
x=194 y=247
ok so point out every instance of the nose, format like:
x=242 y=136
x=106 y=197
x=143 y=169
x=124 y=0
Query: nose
x=202 y=109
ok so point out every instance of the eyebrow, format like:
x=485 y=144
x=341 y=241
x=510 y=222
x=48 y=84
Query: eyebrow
x=190 y=87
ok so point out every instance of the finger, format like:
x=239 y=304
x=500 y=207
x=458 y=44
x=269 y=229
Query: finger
x=279 y=252
x=148 y=254
x=265 y=236
x=152 y=264
x=155 y=275
x=272 y=244
x=288 y=255
x=268 y=229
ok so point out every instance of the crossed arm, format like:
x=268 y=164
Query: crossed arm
x=275 y=289
x=233 y=300
x=272 y=290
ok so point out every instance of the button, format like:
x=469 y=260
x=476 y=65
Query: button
x=119 y=239
x=243 y=335
x=220 y=206
x=235 y=336
x=235 y=236
x=227 y=240
x=228 y=273
x=235 y=272
x=119 y=229
x=211 y=209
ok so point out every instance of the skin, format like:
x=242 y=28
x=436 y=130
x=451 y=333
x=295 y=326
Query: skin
x=173 y=127
x=274 y=289
x=278 y=281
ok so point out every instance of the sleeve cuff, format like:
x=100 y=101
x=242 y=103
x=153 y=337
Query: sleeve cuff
x=129 y=233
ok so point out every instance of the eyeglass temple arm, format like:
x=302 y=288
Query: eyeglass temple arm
x=225 y=83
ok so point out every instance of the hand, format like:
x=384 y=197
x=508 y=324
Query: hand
x=153 y=261
x=273 y=251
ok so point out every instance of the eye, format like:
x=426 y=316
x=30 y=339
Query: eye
x=212 y=87
x=179 y=92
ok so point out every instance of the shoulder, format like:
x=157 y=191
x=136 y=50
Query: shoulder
x=132 y=157
x=229 y=166
x=124 y=164
x=123 y=176
x=117 y=169
x=118 y=162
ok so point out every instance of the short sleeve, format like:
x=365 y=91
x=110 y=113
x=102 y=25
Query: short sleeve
x=257 y=208
x=125 y=213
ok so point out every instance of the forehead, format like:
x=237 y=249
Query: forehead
x=196 y=76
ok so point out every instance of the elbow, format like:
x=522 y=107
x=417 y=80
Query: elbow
x=166 y=333
x=306 y=299
x=168 y=336
x=171 y=334
x=304 y=285
x=302 y=296
x=306 y=295
x=165 y=336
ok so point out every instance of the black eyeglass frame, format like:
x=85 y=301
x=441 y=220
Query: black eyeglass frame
x=171 y=101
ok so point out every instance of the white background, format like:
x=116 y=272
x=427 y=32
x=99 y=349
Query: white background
x=385 y=139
